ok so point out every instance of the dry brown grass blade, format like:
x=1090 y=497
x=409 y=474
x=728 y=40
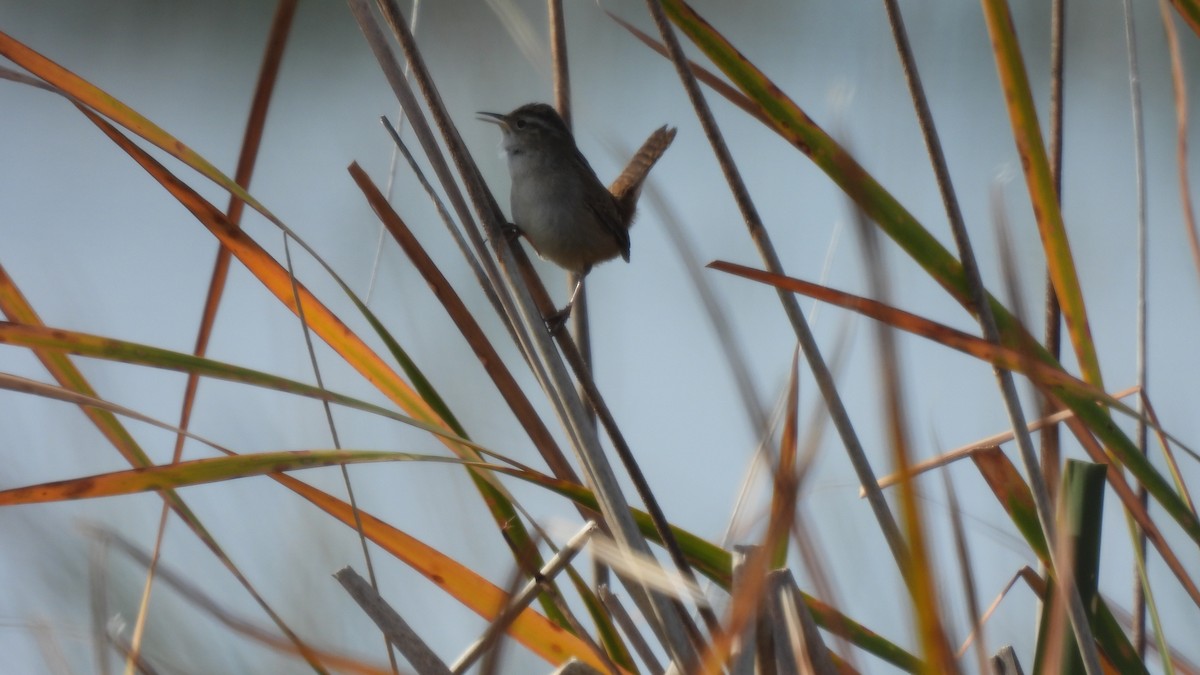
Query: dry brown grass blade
x=515 y=297
x=791 y=307
x=749 y=594
x=786 y=480
x=1035 y=583
x=1179 y=88
x=992 y=441
x=966 y=569
x=999 y=356
x=926 y=605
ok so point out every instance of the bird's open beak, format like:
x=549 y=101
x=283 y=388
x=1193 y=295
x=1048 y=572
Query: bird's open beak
x=494 y=118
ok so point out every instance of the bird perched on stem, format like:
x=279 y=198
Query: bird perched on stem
x=557 y=201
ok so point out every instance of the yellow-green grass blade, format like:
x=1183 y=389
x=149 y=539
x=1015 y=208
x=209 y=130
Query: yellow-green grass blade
x=1042 y=194
x=82 y=344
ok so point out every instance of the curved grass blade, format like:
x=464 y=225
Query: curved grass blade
x=15 y=306
x=199 y=472
x=65 y=82
x=28 y=386
x=83 y=344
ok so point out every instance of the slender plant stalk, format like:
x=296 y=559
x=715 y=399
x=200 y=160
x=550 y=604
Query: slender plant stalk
x=1051 y=451
x=791 y=307
x=1139 y=169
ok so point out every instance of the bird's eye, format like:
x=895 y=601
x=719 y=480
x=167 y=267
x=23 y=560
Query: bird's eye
x=520 y=124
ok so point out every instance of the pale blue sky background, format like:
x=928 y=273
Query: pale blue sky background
x=99 y=247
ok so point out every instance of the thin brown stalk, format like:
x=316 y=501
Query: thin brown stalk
x=1051 y=451
x=963 y=553
x=791 y=306
x=1179 y=88
x=558 y=58
x=1031 y=579
x=987 y=321
x=251 y=142
x=1139 y=167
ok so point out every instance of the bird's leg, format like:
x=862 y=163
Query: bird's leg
x=558 y=319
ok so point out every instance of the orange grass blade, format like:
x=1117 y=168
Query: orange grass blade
x=955 y=339
x=531 y=629
x=1179 y=89
x=520 y=405
x=276 y=279
x=338 y=336
x=89 y=95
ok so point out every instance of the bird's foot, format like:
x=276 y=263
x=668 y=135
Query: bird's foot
x=511 y=232
x=557 y=319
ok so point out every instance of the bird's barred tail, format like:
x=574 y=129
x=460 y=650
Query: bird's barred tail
x=628 y=186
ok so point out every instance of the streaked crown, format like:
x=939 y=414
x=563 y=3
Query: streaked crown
x=530 y=118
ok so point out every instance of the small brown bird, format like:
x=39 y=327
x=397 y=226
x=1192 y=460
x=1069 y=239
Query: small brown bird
x=557 y=201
